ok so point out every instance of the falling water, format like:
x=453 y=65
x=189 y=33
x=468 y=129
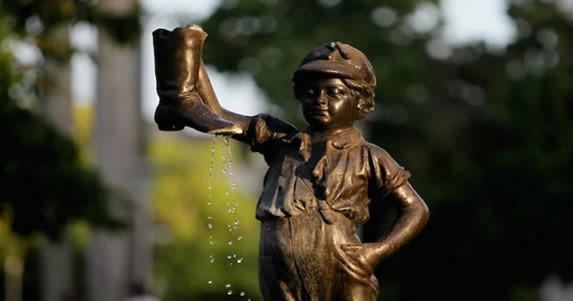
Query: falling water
x=233 y=237
x=210 y=225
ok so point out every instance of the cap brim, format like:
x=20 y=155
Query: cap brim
x=328 y=67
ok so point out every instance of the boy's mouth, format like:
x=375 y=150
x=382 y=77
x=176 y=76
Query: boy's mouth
x=318 y=110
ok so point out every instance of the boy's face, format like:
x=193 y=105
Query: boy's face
x=328 y=104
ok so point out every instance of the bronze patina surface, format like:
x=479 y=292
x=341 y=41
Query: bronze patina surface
x=320 y=180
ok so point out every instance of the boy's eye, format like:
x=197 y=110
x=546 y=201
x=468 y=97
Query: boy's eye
x=310 y=92
x=335 y=92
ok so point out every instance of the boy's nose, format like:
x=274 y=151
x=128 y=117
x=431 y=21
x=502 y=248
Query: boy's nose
x=321 y=98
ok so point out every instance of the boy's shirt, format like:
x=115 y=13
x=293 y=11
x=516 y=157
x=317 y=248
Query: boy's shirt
x=308 y=171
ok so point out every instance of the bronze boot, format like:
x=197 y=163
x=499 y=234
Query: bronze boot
x=177 y=62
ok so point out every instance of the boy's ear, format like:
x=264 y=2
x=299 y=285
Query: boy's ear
x=364 y=106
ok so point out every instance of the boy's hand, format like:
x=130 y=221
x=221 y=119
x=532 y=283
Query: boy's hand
x=364 y=257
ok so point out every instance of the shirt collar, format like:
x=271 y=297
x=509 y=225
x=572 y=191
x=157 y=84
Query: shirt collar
x=341 y=139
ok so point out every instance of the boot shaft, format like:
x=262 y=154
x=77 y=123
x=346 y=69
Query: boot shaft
x=178 y=57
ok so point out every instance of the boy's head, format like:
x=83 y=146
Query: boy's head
x=339 y=60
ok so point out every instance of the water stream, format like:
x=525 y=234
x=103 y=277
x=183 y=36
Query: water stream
x=232 y=257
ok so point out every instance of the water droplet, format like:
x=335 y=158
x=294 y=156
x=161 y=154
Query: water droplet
x=239 y=238
x=210 y=226
x=228 y=285
x=229 y=292
x=240 y=260
x=210 y=282
x=229 y=257
x=230 y=242
x=242 y=294
x=236 y=222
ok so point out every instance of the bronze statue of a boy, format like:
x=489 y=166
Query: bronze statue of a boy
x=320 y=181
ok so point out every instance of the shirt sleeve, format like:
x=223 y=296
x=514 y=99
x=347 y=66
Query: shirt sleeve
x=386 y=173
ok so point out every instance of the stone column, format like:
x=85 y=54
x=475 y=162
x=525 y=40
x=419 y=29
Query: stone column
x=119 y=150
x=56 y=257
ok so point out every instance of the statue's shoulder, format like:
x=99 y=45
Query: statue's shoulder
x=376 y=150
x=380 y=157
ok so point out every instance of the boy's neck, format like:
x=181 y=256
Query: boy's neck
x=327 y=133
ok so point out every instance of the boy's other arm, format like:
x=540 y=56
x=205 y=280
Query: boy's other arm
x=413 y=216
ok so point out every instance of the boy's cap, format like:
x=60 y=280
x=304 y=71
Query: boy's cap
x=338 y=59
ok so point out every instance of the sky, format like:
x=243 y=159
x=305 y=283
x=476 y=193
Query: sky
x=466 y=21
x=474 y=20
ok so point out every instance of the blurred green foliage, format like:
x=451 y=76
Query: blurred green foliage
x=207 y=235
x=46 y=188
x=45 y=184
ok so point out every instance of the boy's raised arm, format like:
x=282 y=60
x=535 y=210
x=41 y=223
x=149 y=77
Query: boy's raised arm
x=205 y=89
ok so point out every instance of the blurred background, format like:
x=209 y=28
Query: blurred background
x=475 y=98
